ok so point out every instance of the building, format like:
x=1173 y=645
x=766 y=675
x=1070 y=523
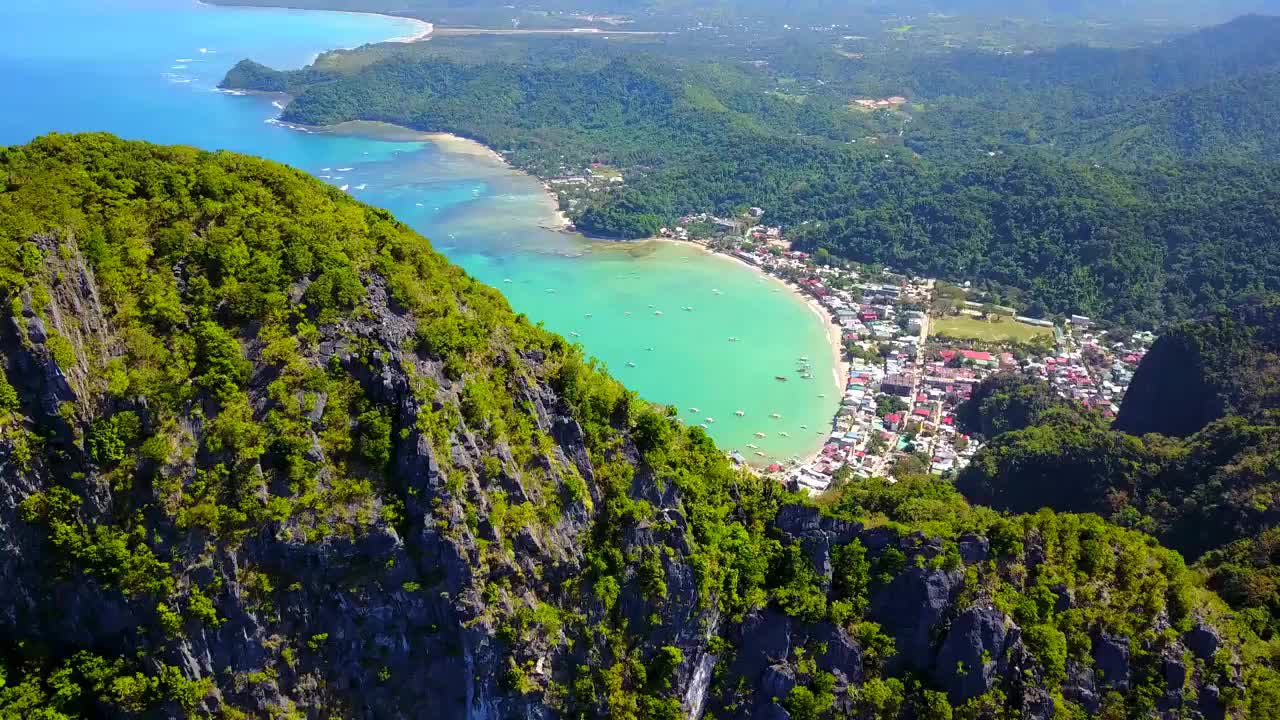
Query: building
x=899 y=384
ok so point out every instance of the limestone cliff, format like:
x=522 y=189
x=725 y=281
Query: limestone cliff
x=263 y=453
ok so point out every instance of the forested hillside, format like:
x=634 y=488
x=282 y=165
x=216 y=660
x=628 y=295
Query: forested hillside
x=1209 y=486
x=1179 y=217
x=267 y=454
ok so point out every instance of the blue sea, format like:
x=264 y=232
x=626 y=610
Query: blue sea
x=659 y=314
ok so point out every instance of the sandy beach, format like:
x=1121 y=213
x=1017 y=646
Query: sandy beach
x=449 y=143
x=557 y=220
x=422 y=29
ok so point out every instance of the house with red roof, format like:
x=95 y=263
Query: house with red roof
x=985 y=359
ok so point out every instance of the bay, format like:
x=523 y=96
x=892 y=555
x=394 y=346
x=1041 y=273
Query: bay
x=660 y=315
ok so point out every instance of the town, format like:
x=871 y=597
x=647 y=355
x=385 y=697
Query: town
x=914 y=349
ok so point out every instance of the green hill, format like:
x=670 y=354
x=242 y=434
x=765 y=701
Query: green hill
x=267 y=454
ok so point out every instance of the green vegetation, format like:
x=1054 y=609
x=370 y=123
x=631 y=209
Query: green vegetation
x=298 y=405
x=1008 y=401
x=963 y=327
x=1198 y=372
x=1211 y=495
x=994 y=182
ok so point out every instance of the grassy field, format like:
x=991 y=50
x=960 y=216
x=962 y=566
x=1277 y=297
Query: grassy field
x=963 y=327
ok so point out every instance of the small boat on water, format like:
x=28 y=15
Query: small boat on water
x=739 y=413
x=627 y=313
x=804 y=359
x=821 y=395
x=688 y=308
x=587 y=315
x=760 y=435
x=784 y=434
x=630 y=364
x=694 y=410
x=704 y=425
x=753 y=446
x=804 y=427
x=658 y=313
x=574 y=334
x=760 y=453
x=733 y=339
x=780 y=378
x=506 y=280
x=776 y=416
x=711 y=420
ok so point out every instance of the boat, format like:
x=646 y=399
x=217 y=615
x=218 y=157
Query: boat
x=630 y=364
x=694 y=410
x=739 y=413
x=506 y=280
x=688 y=308
x=344 y=188
x=760 y=435
x=760 y=453
x=780 y=378
x=587 y=315
x=658 y=313
x=711 y=420
x=733 y=339
x=821 y=395
x=753 y=446
x=574 y=334
x=784 y=434
x=804 y=359
x=627 y=313
x=703 y=425
x=776 y=416
x=804 y=427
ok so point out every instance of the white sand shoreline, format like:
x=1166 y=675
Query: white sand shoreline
x=423 y=29
x=456 y=144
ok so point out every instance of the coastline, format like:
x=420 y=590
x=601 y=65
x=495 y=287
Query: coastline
x=448 y=143
x=839 y=368
x=558 y=221
x=424 y=28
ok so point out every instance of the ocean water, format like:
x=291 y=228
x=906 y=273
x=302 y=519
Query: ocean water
x=660 y=315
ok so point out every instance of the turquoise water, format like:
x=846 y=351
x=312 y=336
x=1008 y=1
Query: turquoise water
x=147 y=69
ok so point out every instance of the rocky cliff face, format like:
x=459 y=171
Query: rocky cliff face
x=264 y=454
x=1203 y=371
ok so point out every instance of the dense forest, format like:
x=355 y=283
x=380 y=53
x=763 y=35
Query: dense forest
x=1194 y=458
x=1117 y=199
x=268 y=454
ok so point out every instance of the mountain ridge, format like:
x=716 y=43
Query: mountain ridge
x=268 y=453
